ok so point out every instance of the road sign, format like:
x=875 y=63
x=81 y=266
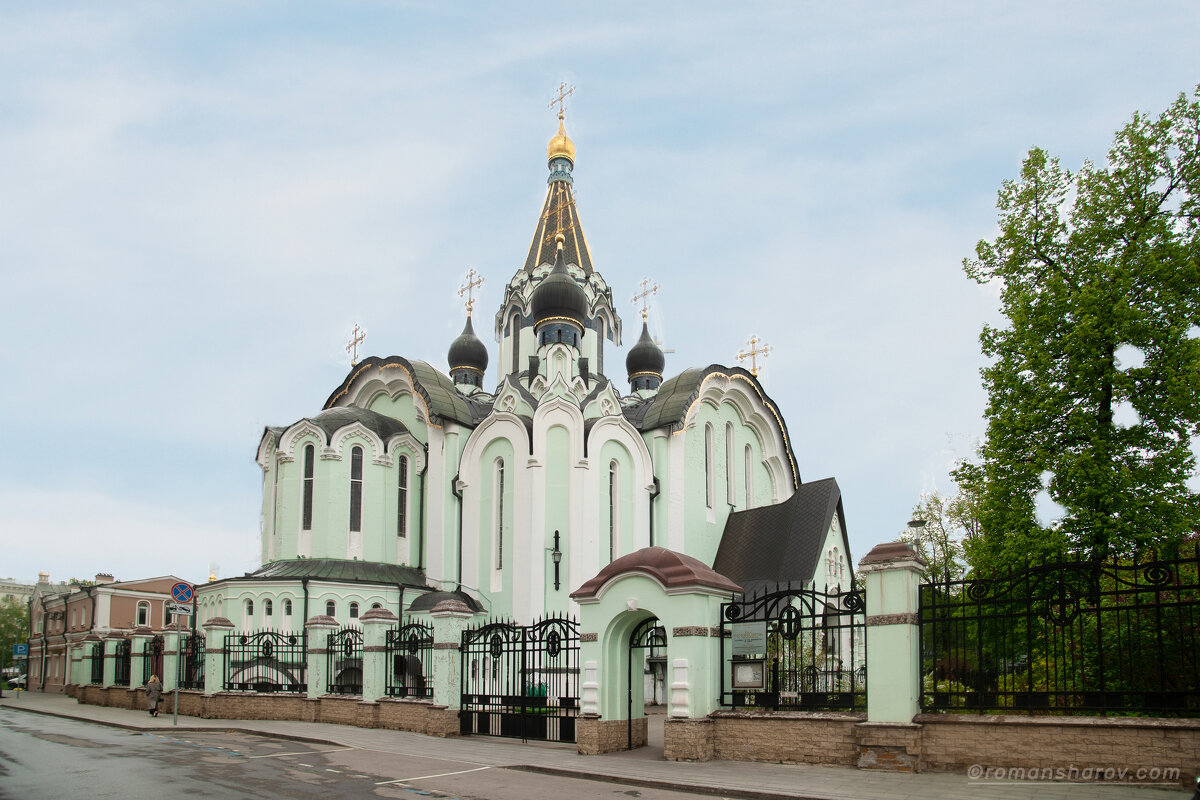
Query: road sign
x=20 y=651
x=180 y=609
x=182 y=592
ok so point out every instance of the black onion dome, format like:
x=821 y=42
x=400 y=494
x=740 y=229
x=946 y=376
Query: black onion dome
x=559 y=295
x=645 y=356
x=468 y=351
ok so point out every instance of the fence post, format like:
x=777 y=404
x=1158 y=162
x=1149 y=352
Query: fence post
x=449 y=619
x=110 y=658
x=376 y=623
x=139 y=651
x=171 y=655
x=318 y=629
x=215 y=630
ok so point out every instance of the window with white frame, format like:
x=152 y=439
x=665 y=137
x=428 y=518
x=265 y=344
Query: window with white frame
x=268 y=608
x=287 y=608
x=249 y=609
x=354 y=611
x=498 y=524
x=310 y=453
x=356 y=488
x=729 y=498
x=330 y=608
x=143 y=614
x=614 y=491
x=749 y=477
x=402 y=497
x=709 y=478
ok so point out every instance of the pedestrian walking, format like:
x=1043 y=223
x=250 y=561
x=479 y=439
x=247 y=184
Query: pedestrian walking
x=153 y=695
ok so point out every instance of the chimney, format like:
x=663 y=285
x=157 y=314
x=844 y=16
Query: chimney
x=43 y=577
x=104 y=577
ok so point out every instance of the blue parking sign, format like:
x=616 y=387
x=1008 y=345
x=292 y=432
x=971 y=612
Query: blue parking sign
x=20 y=651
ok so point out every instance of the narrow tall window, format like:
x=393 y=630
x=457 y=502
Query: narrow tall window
x=499 y=526
x=249 y=609
x=749 y=477
x=330 y=608
x=612 y=511
x=708 y=466
x=287 y=608
x=309 y=466
x=729 y=498
x=402 y=498
x=268 y=608
x=356 y=481
x=143 y=614
x=354 y=611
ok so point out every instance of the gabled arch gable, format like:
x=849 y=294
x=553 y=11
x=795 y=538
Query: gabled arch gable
x=561 y=412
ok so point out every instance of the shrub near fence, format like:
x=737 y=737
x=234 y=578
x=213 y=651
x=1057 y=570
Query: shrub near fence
x=1073 y=636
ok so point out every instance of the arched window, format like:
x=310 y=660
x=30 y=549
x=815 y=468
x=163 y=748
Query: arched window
x=749 y=477
x=309 y=467
x=287 y=608
x=402 y=498
x=376 y=605
x=356 y=486
x=499 y=514
x=354 y=611
x=268 y=608
x=614 y=490
x=249 y=609
x=729 y=498
x=143 y=614
x=330 y=608
x=709 y=486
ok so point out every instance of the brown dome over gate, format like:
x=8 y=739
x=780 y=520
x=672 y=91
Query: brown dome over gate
x=673 y=570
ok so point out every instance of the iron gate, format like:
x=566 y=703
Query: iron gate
x=152 y=660
x=343 y=660
x=521 y=680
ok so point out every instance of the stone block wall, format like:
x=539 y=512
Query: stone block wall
x=594 y=736
x=688 y=739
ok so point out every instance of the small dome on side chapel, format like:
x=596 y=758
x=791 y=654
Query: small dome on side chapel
x=645 y=362
x=468 y=357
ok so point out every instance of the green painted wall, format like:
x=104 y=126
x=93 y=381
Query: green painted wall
x=615 y=453
x=500 y=591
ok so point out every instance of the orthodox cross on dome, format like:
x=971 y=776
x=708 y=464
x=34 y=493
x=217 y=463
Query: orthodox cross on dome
x=643 y=296
x=753 y=353
x=358 y=338
x=474 y=279
x=563 y=93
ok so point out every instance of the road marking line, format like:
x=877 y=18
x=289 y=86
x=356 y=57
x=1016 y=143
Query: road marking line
x=439 y=775
x=301 y=753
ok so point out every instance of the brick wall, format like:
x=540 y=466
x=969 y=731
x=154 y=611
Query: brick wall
x=594 y=735
x=785 y=737
x=688 y=739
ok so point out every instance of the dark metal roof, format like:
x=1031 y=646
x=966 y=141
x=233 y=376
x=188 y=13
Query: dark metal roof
x=669 y=406
x=559 y=215
x=782 y=542
x=436 y=389
x=339 y=570
x=467 y=350
x=671 y=569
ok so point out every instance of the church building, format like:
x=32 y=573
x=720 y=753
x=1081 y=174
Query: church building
x=412 y=484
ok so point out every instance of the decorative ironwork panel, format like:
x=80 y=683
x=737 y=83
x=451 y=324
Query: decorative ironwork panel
x=152 y=660
x=521 y=680
x=409 y=652
x=343 y=661
x=1069 y=637
x=267 y=661
x=124 y=663
x=98 y=663
x=795 y=650
x=191 y=667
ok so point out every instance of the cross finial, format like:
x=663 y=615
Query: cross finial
x=753 y=353
x=358 y=338
x=564 y=92
x=474 y=279
x=648 y=288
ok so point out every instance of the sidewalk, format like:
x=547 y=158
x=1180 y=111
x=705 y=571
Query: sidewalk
x=722 y=778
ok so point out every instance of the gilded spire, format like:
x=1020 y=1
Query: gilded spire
x=561 y=145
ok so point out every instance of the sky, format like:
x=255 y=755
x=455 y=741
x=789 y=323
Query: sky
x=198 y=202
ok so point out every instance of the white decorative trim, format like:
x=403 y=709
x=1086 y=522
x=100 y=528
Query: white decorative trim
x=589 y=689
x=678 y=704
x=293 y=435
x=337 y=442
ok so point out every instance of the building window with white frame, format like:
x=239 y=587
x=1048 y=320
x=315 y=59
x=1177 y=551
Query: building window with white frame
x=498 y=525
x=268 y=608
x=287 y=608
x=749 y=477
x=709 y=485
x=356 y=488
x=249 y=610
x=614 y=490
x=330 y=608
x=729 y=498
x=354 y=611
x=310 y=453
x=402 y=498
x=143 y=614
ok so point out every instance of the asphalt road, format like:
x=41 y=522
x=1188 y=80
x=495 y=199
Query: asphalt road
x=53 y=757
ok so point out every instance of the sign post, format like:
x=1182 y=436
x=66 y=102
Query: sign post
x=182 y=607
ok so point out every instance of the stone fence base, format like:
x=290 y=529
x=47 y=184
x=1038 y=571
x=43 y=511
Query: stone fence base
x=418 y=716
x=944 y=742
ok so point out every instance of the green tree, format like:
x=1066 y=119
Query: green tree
x=940 y=540
x=14 y=628
x=1090 y=265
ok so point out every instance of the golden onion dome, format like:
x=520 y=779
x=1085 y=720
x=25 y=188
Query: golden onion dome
x=561 y=145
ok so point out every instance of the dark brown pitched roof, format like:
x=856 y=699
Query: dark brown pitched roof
x=782 y=542
x=673 y=570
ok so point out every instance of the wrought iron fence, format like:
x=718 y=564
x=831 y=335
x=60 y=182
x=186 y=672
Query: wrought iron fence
x=152 y=659
x=1073 y=636
x=267 y=661
x=521 y=680
x=795 y=649
x=123 y=665
x=409 y=653
x=98 y=663
x=343 y=661
x=191 y=667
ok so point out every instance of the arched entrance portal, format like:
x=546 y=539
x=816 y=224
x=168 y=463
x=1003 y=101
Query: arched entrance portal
x=647 y=644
